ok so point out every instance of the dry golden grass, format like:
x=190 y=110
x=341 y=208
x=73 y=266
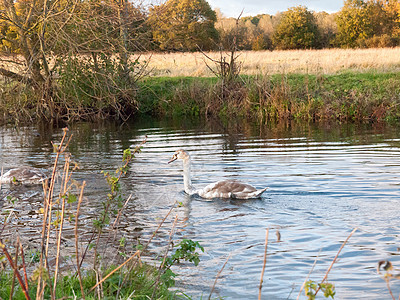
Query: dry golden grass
x=327 y=61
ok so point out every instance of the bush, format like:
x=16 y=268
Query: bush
x=94 y=85
x=382 y=41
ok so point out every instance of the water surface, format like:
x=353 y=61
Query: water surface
x=323 y=181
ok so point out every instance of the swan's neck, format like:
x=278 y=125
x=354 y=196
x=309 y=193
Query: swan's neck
x=187 y=181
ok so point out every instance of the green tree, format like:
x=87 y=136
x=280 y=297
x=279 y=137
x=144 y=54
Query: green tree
x=297 y=29
x=183 y=25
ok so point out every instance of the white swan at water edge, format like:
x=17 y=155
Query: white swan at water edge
x=221 y=189
x=24 y=175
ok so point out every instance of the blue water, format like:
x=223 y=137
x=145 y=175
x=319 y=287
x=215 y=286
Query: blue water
x=323 y=181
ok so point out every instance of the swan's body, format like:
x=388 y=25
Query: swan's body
x=25 y=175
x=221 y=189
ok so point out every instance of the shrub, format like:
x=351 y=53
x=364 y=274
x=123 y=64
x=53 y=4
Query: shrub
x=94 y=85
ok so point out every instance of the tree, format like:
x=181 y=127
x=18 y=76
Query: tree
x=327 y=27
x=24 y=27
x=183 y=25
x=392 y=8
x=359 y=21
x=74 y=56
x=268 y=23
x=297 y=29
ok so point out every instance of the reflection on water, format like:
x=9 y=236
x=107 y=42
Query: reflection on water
x=323 y=182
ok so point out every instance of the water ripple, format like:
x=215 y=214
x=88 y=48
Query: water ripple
x=321 y=186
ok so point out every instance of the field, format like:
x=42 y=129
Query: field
x=327 y=61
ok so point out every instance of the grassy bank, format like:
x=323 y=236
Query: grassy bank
x=346 y=97
x=354 y=97
x=141 y=286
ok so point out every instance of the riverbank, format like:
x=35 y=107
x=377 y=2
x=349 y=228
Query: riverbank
x=346 y=97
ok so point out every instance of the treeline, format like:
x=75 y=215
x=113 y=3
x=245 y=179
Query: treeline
x=191 y=25
x=359 y=24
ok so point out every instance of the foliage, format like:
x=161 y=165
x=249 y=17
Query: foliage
x=261 y=42
x=60 y=43
x=186 y=251
x=311 y=288
x=251 y=33
x=328 y=29
x=297 y=29
x=94 y=85
x=141 y=285
x=351 y=97
x=358 y=21
x=183 y=25
x=101 y=26
x=392 y=9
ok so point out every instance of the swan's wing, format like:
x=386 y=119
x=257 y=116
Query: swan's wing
x=25 y=175
x=230 y=189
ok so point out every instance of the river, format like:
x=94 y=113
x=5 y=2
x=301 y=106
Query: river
x=323 y=180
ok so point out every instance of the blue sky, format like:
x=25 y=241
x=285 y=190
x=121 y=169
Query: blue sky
x=232 y=8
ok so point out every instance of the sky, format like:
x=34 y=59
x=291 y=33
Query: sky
x=232 y=8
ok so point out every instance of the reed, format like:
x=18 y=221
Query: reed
x=348 y=97
x=46 y=279
x=264 y=263
x=218 y=275
x=335 y=258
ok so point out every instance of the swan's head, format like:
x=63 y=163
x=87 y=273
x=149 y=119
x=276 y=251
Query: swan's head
x=179 y=154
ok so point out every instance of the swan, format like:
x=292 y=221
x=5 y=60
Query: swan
x=221 y=189
x=25 y=175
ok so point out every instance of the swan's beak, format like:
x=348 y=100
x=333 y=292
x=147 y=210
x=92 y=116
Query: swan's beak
x=173 y=159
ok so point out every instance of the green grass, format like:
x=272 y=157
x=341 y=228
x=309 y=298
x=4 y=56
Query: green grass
x=139 y=285
x=155 y=93
x=353 y=97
